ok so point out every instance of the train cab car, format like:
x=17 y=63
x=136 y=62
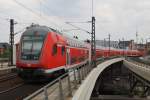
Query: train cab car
x=37 y=46
x=43 y=51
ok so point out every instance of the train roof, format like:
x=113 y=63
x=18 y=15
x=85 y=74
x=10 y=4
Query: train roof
x=43 y=30
x=38 y=28
x=111 y=48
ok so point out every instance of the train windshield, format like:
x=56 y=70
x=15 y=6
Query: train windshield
x=31 y=47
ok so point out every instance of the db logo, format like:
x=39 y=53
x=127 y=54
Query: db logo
x=28 y=65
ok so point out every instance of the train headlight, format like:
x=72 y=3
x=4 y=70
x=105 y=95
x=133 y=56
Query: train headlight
x=28 y=65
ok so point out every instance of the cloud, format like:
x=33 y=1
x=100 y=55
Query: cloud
x=116 y=17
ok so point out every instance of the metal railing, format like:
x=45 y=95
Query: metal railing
x=139 y=70
x=64 y=84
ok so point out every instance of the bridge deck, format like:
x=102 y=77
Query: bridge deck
x=140 y=70
x=85 y=90
x=116 y=97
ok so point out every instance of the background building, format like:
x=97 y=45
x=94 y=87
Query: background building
x=127 y=45
x=103 y=43
x=117 y=44
x=3 y=47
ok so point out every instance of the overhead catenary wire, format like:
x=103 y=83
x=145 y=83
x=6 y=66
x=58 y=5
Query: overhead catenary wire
x=6 y=16
x=78 y=28
x=22 y=5
x=38 y=15
x=35 y=13
x=20 y=31
x=52 y=12
x=81 y=22
x=92 y=8
x=47 y=7
x=5 y=19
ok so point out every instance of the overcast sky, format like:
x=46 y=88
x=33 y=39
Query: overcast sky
x=120 y=18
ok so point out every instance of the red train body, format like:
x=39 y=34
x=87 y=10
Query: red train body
x=43 y=51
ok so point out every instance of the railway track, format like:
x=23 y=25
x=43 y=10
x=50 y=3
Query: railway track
x=21 y=91
x=8 y=77
x=9 y=81
x=7 y=90
x=14 y=88
x=7 y=72
x=137 y=59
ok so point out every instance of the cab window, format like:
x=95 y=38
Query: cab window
x=54 y=51
x=63 y=50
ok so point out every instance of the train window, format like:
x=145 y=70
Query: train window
x=31 y=47
x=73 y=60
x=63 y=50
x=54 y=52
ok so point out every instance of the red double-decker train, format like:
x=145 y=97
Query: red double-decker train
x=43 y=51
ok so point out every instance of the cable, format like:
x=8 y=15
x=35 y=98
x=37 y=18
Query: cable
x=49 y=10
x=78 y=28
x=26 y=8
x=6 y=19
x=19 y=31
x=92 y=8
x=39 y=15
x=35 y=13
x=81 y=22
x=69 y=30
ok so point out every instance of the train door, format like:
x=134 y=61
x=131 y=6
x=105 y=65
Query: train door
x=67 y=56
